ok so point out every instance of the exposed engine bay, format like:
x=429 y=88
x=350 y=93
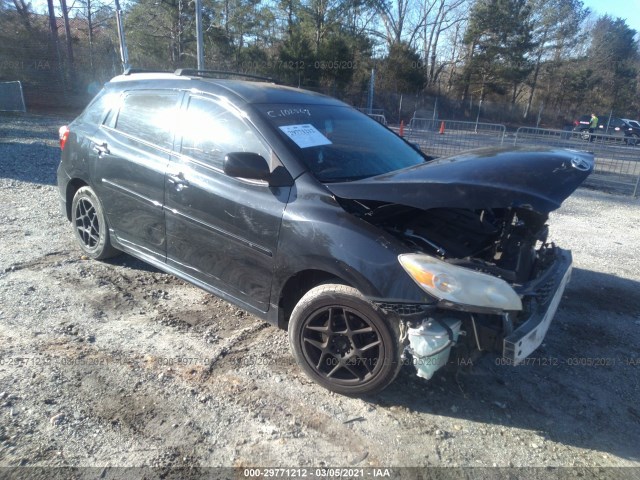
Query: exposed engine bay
x=500 y=242
x=473 y=237
x=508 y=243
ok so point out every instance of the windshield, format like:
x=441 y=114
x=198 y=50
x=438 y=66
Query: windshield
x=338 y=143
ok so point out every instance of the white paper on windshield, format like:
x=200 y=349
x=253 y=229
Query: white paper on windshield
x=305 y=136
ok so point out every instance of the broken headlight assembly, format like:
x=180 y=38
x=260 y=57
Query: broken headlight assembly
x=460 y=286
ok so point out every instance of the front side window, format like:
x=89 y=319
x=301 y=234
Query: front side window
x=210 y=131
x=338 y=143
x=149 y=116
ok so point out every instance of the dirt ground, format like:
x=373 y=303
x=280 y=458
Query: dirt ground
x=115 y=364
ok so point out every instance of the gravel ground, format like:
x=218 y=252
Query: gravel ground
x=117 y=364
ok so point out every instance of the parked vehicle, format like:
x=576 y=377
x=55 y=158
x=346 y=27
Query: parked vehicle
x=633 y=131
x=309 y=214
x=582 y=123
x=612 y=127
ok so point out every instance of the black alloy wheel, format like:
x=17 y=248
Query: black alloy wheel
x=90 y=225
x=343 y=342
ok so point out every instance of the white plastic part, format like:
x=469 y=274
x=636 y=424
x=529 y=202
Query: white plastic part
x=431 y=344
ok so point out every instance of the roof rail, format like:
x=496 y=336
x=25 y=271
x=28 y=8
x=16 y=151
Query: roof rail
x=131 y=70
x=215 y=73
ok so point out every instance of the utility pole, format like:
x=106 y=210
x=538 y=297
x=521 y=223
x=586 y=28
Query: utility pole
x=199 y=39
x=371 y=90
x=124 y=53
x=540 y=115
x=480 y=103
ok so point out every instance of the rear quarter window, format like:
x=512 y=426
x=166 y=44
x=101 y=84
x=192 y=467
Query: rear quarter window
x=97 y=108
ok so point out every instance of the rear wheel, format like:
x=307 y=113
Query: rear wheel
x=343 y=342
x=90 y=225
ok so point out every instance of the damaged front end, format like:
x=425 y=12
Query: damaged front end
x=495 y=278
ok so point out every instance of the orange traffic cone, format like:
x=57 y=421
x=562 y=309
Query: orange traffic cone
x=401 y=128
x=442 y=128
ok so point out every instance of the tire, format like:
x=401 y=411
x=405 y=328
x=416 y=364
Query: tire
x=90 y=225
x=343 y=342
x=632 y=140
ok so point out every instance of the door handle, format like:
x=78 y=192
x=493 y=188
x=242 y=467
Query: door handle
x=101 y=149
x=178 y=181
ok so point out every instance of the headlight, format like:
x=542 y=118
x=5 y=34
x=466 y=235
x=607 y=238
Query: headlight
x=459 y=285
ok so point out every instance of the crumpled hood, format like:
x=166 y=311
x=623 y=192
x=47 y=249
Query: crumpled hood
x=535 y=178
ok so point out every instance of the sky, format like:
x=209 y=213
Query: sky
x=627 y=9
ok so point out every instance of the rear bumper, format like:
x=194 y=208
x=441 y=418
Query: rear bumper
x=63 y=181
x=547 y=292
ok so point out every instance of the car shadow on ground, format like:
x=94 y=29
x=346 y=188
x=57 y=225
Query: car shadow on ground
x=127 y=261
x=580 y=388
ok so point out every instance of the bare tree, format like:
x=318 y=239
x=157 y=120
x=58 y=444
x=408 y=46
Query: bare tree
x=68 y=40
x=23 y=11
x=394 y=15
x=446 y=15
x=54 y=45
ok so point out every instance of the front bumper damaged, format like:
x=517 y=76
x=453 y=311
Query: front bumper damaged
x=545 y=294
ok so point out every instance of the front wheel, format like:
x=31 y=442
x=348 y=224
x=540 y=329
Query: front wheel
x=632 y=140
x=343 y=342
x=90 y=225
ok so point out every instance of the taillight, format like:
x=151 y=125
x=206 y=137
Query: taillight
x=64 y=134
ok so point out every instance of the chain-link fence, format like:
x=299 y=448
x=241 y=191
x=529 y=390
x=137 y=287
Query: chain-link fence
x=60 y=62
x=617 y=157
x=11 y=97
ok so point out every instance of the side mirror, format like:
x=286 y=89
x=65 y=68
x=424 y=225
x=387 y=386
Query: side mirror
x=254 y=167
x=246 y=165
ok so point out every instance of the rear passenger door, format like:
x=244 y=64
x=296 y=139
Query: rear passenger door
x=133 y=153
x=617 y=127
x=222 y=231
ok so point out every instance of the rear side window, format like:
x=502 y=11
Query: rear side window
x=149 y=116
x=210 y=131
x=616 y=123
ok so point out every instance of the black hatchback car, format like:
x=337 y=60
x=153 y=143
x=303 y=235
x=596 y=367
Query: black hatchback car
x=309 y=214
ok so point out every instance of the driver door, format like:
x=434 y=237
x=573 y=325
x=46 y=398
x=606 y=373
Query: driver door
x=223 y=231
